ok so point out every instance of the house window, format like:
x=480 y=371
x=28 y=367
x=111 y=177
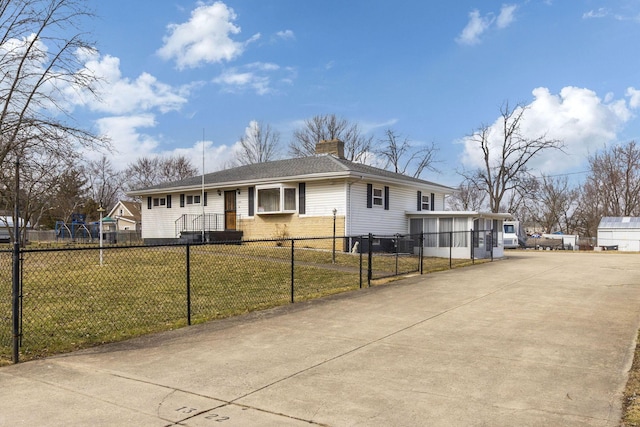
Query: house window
x=430 y=232
x=444 y=238
x=269 y=200
x=377 y=196
x=121 y=212
x=289 y=199
x=159 y=201
x=193 y=200
x=276 y=199
x=460 y=232
x=425 y=203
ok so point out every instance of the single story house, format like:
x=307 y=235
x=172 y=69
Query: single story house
x=621 y=233
x=304 y=197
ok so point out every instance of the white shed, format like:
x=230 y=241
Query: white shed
x=621 y=232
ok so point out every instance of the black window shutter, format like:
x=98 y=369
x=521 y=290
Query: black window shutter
x=419 y=200
x=251 y=195
x=205 y=198
x=168 y=200
x=433 y=202
x=369 y=195
x=302 y=198
x=182 y=200
x=386 y=198
x=148 y=202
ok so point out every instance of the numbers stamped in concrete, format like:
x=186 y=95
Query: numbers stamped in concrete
x=209 y=416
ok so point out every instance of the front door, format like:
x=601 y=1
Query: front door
x=230 y=210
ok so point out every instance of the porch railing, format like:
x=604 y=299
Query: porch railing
x=199 y=222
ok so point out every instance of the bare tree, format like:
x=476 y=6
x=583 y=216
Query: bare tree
x=104 y=182
x=175 y=168
x=612 y=187
x=556 y=204
x=506 y=155
x=41 y=52
x=41 y=65
x=149 y=171
x=615 y=172
x=42 y=179
x=401 y=157
x=259 y=144
x=326 y=127
x=468 y=197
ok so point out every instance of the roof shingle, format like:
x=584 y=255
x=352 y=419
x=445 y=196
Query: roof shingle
x=320 y=164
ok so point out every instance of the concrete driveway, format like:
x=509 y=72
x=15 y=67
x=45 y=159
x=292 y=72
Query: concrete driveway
x=538 y=339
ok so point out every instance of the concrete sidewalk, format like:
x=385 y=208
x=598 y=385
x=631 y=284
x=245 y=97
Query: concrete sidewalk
x=538 y=339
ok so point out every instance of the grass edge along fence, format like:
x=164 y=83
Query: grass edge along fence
x=69 y=299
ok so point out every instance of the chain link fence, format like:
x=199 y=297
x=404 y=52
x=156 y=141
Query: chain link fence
x=74 y=298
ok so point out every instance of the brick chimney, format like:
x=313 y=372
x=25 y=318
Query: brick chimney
x=333 y=146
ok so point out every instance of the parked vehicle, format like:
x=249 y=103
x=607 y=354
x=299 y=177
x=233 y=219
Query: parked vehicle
x=513 y=236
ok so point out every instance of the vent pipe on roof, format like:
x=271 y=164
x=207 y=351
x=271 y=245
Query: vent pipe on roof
x=333 y=146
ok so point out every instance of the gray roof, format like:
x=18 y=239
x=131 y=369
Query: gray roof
x=619 y=222
x=281 y=169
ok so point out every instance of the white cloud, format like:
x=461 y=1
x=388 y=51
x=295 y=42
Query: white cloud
x=128 y=142
x=506 y=16
x=479 y=24
x=131 y=139
x=118 y=95
x=576 y=116
x=121 y=95
x=205 y=38
x=634 y=97
x=216 y=157
x=286 y=35
x=476 y=26
x=257 y=77
x=600 y=13
x=368 y=127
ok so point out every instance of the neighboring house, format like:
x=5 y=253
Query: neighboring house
x=126 y=216
x=621 y=233
x=299 y=198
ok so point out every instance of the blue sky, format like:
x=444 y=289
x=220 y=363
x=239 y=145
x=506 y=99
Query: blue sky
x=430 y=70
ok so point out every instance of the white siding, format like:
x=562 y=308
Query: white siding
x=377 y=220
x=349 y=199
x=322 y=198
x=159 y=221
x=627 y=240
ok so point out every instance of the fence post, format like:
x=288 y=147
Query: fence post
x=292 y=270
x=397 y=251
x=188 y=260
x=16 y=272
x=493 y=239
x=473 y=245
x=370 y=266
x=360 y=250
x=421 y=252
x=450 y=248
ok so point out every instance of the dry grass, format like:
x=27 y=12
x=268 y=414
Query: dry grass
x=71 y=302
x=631 y=399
